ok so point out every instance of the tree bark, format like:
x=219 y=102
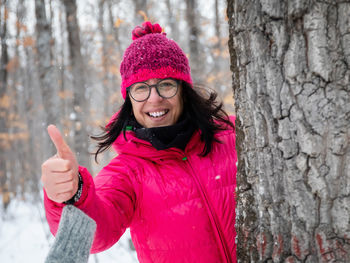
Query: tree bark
x=217 y=25
x=172 y=20
x=105 y=60
x=115 y=29
x=80 y=103
x=4 y=142
x=47 y=77
x=20 y=147
x=65 y=102
x=291 y=78
x=193 y=31
x=4 y=53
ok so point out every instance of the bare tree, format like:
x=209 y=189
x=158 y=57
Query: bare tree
x=105 y=61
x=30 y=101
x=193 y=31
x=47 y=77
x=291 y=78
x=65 y=101
x=80 y=102
x=140 y=8
x=217 y=24
x=19 y=146
x=4 y=141
x=172 y=20
x=115 y=29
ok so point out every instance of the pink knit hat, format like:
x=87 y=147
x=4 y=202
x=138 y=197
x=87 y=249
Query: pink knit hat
x=152 y=55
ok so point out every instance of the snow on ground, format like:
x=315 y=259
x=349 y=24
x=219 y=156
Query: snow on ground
x=25 y=237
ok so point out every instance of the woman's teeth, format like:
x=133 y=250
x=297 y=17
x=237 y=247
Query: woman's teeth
x=157 y=114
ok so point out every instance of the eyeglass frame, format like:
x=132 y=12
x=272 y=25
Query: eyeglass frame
x=178 y=82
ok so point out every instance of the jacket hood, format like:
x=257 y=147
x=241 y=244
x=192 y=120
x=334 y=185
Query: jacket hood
x=131 y=145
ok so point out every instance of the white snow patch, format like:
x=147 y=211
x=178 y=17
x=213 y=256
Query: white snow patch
x=25 y=237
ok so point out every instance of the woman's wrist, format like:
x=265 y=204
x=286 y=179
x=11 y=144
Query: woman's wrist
x=77 y=195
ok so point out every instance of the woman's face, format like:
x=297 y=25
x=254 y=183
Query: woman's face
x=157 y=111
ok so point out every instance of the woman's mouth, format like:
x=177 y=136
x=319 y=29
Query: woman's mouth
x=157 y=114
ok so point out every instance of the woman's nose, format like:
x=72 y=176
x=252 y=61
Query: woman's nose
x=154 y=96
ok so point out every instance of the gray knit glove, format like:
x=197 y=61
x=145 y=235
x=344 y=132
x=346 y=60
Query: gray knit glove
x=74 y=237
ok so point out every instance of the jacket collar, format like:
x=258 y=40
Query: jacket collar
x=131 y=145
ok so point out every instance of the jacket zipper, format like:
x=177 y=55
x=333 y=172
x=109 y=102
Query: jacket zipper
x=212 y=213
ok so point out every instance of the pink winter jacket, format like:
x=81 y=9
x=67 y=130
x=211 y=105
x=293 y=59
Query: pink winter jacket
x=180 y=207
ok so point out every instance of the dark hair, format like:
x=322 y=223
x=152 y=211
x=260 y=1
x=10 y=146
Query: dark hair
x=200 y=106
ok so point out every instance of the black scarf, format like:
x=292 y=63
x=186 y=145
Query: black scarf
x=177 y=135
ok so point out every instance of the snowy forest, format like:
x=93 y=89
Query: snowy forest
x=282 y=67
x=60 y=65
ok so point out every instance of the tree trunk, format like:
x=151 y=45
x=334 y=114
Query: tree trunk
x=105 y=60
x=4 y=104
x=172 y=20
x=140 y=10
x=65 y=101
x=19 y=147
x=193 y=30
x=115 y=29
x=217 y=24
x=80 y=106
x=291 y=79
x=47 y=76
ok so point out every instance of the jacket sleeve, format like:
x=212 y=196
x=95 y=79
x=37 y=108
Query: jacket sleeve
x=109 y=199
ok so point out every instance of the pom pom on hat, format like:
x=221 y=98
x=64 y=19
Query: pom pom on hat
x=146 y=28
x=152 y=55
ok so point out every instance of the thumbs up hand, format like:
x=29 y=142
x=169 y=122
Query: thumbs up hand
x=59 y=174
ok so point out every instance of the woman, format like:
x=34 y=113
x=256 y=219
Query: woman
x=173 y=180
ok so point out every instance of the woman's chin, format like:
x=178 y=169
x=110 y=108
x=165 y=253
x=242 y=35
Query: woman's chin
x=152 y=122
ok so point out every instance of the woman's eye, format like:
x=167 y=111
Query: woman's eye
x=168 y=84
x=141 y=88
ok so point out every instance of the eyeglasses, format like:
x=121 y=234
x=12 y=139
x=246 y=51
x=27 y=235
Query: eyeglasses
x=166 y=88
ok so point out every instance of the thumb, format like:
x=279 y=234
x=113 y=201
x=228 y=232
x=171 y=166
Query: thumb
x=62 y=147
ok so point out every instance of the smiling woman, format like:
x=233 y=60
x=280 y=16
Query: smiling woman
x=174 y=178
x=157 y=107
